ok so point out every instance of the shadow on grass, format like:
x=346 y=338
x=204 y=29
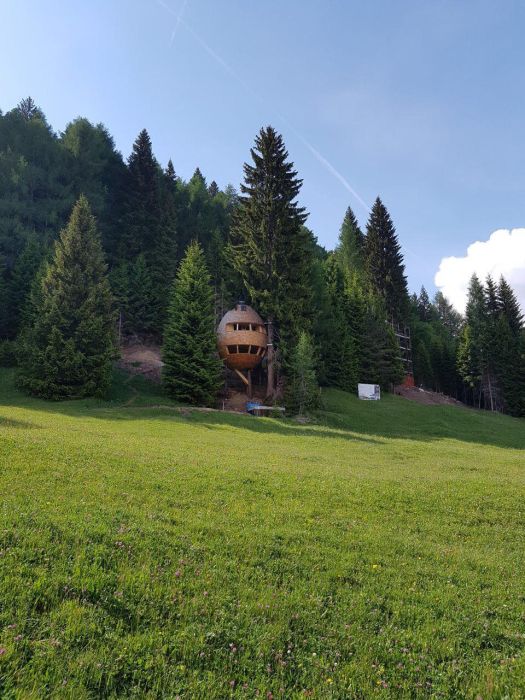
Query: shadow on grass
x=20 y=424
x=344 y=417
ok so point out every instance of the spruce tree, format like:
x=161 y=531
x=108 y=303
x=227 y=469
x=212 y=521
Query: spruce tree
x=141 y=222
x=120 y=286
x=67 y=350
x=339 y=349
x=423 y=374
x=302 y=389
x=4 y=302
x=424 y=307
x=192 y=370
x=447 y=315
x=213 y=189
x=163 y=258
x=511 y=349
x=271 y=248
x=474 y=360
x=350 y=249
x=141 y=315
x=384 y=263
x=150 y=227
x=509 y=306
x=381 y=358
x=23 y=273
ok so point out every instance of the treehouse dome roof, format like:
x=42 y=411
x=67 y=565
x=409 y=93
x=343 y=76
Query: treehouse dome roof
x=241 y=337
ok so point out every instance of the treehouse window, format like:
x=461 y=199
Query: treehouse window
x=244 y=348
x=254 y=350
x=232 y=349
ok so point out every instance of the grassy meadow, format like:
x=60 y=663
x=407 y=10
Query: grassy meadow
x=148 y=551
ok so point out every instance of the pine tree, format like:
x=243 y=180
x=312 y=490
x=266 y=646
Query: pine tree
x=381 y=358
x=192 y=370
x=142 y=216
x=271 y=248
x=510 y=349
x=424 y=307
x=509 y=306
x=120 y=287
x=475 y=361
x=357 y=311
x=163 y=258
x=68 y=349
x=423 y=374
x=491 y=296
x=141 y=314
x=339 y=349
x=213 y=189
x=302 y=390
x=23 y=273
x=448 y=316
x=4 y=303
x=170 y=172
x=350 y=250
x=384 y=263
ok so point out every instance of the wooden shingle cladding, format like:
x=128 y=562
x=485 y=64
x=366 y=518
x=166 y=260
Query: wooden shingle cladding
x=242 y=338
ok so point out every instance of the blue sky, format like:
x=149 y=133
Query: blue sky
x=420 y=101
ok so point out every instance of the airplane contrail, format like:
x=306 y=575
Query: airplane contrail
x=226 y=67
x=178 y=22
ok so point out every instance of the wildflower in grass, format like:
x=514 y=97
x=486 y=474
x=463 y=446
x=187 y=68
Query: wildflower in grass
x=3 y=650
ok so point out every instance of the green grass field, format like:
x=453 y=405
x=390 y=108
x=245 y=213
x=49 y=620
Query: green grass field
x=149 y=552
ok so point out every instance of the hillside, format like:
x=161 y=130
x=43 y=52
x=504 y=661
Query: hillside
x=162 y=553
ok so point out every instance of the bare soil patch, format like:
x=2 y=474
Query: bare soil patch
x=427 y=398
x=142 y=359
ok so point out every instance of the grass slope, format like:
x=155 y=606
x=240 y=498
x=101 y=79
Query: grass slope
x=149 y=553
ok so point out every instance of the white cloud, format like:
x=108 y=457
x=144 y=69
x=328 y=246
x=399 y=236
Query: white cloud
x=503 y=254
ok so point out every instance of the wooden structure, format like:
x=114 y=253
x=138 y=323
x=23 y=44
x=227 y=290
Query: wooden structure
x=242 y=340
x=402 y=334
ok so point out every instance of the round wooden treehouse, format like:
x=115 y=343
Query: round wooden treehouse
x=242 y=340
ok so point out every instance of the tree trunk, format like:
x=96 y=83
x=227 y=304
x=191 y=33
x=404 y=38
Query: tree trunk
x=270 y=387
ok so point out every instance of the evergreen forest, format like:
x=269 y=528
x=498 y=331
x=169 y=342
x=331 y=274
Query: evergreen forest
x=97 y=250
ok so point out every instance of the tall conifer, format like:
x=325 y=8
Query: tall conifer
x=339 y=348
x=350 y=249
x=68 y=349
x=302 y=390
x=192 y=370
x=384 y=263
x=271 y=247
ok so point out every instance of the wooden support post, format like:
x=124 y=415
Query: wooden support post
x=249 y=384
x=243 y=378
x=270 y=387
